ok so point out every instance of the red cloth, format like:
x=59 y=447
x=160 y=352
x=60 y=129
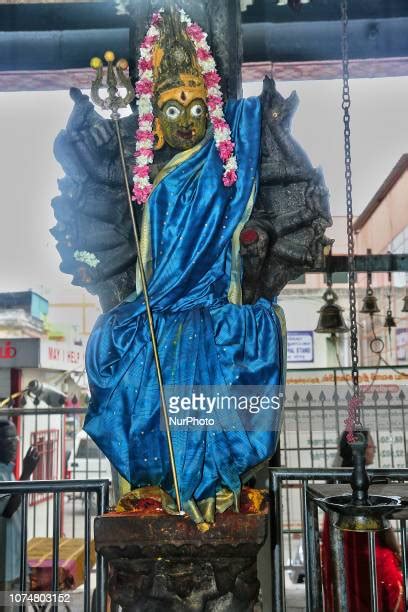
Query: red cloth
x=389 y=575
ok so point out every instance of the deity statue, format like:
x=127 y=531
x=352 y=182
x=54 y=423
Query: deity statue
x=229 y=209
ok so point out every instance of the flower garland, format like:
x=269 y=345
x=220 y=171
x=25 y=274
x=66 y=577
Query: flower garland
x=144 y=135
x=144 y=93
x=222 y=132
x=86 y=257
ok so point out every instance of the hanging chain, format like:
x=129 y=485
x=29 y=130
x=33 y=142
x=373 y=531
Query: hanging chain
x=354 y=407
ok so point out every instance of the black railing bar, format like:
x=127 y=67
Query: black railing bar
x=309 y=448
x=41 y=411
x=392 y=262
x=87 y=459
x=22 y=454
x=377 y=440
x=310 y=429
x=298 y=444
x=56 y=511
x=306 y=548
x=290 y=404
x=23 y=544
x=404 y=429
x=87 y=580
x=338 y=473
x=288 y=407
x=313 y=519
x=99 y=464
x=284 y=432
x=35 y=505
x=299 y=462
x=297 y=530
x=277 y=582
x=52 y=486
x=56 y=529
x=325 y=430
x=301 y=407
x=22 y=442
x=62 y=447
x=46 y=471
x=336 y=544
x=403 y=525
x=391 y=443
x=102 y=502
x=373 y=571
x=62 y=467
x=73 y=475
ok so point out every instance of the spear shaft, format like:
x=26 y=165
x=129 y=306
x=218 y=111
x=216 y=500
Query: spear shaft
x=113 y=102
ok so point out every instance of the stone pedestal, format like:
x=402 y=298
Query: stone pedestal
x=163 y=563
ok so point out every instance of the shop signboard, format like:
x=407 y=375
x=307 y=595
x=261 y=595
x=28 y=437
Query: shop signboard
x=41 y=353
x=300 y=346
x=61 y=356
x=19 y=352
x=402 y=343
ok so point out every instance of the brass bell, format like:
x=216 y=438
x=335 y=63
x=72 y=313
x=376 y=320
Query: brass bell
x=389 y=320
x=330 y=318
x=370 y=305
x=405 y=306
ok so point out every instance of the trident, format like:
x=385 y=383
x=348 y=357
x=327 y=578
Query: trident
x=113 y=102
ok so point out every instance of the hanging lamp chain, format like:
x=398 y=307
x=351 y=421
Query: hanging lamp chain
x=346 y=102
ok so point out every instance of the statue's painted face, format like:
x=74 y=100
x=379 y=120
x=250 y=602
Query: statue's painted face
x=183 y=126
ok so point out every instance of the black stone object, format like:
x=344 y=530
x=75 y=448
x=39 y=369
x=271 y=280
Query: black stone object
x=164 y=562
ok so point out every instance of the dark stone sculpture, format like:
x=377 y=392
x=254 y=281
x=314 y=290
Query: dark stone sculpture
x=164 y=562
x=290 y=214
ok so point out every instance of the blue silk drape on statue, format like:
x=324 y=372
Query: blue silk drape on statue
x=203 y=339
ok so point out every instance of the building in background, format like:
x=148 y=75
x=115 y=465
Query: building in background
x=22 y=314
x=32 y=348
x=29 y=352
x=381 y=227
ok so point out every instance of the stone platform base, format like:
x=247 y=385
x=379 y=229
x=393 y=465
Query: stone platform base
x=162 y=563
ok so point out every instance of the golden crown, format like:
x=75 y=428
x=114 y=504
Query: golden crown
x=176 y=72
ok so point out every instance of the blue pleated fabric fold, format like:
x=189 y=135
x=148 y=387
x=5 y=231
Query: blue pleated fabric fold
x=202 y=338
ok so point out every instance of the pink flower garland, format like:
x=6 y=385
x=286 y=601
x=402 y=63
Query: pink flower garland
x=222 y=132
x=142 y=187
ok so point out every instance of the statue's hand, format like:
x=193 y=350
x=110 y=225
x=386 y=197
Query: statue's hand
x=317 y=200
x=84 y=123
x=82 y=108
x=254 y=245
x=254 y=242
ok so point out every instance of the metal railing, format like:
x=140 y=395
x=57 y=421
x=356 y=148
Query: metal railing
x=312 y=424
x=314 y=418
x=100 y=488
x=310 y=532
x=68 y=422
